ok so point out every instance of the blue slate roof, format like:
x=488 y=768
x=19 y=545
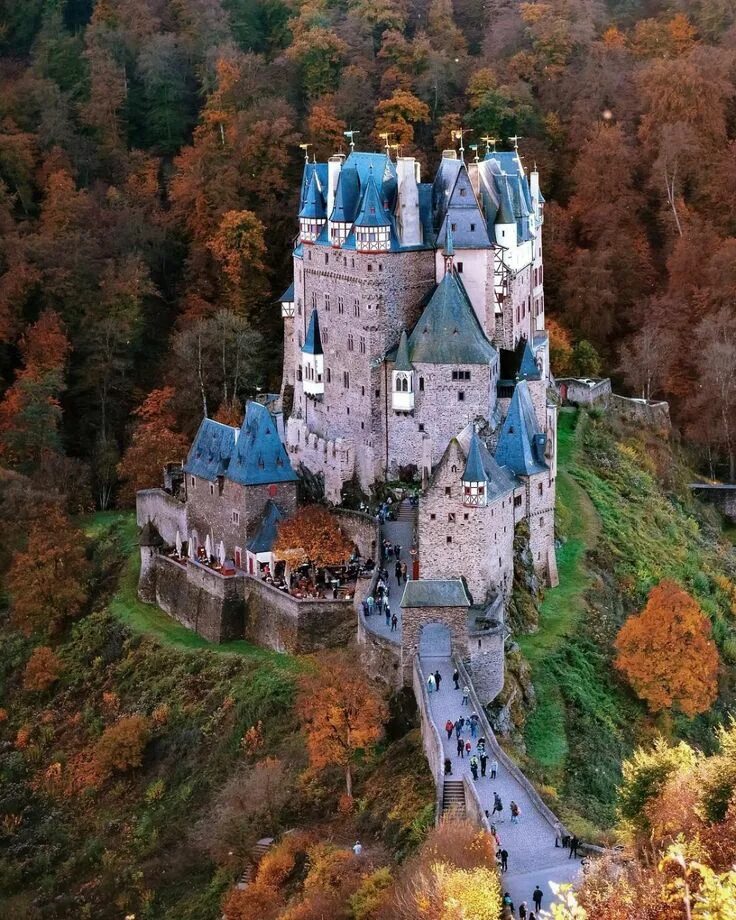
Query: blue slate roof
x=435 y=593
x=528 y=369
x=448 y=331
x=313 y=342
x=259 y=456
x=372 y=212
x=499 y=479
x=377 y=164
x=505 y=213
x=312 y=169
x=521 y=444
x=347 y=195
x=314 y=204
x=265 y=536
x=288 y=295
x=402 y=362
x=209 y=455
x=474 y=469
x=462 y=210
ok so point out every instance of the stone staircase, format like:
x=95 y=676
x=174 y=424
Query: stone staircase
x=256 y=855
x=407 y=513
x=453 y=799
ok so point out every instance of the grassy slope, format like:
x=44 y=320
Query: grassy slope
x=621 y=497
x=563 y=607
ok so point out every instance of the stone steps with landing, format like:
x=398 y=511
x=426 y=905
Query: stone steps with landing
x=453 y=799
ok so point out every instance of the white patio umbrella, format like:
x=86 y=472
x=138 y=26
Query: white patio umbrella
x=208 y=546
x=221 y=552
x=190 y=546
x=178 y=543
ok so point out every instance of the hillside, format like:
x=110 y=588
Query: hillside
x=168 y=837
x=627 y=521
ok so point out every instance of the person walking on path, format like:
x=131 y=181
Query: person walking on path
x=468 y=747
x=397 y=551
x=460 y=747
x=504 y=860
x=494 y=768
x=483 y=762
x=403 y=572
x=430 y=684
x=474 y=766
x=388 y=614
x=481 y=745
x=371 y=603
x=466 y=696
x=474 y=724
x=497 y=806
x=515 y=812
x=537 y=898
x=522 y=911
x=437 y=679
x=448 y=767
x=458 y=727
x=456 y=678
x=397 y=571
x=394 y=623
x=449 y=725
x=574 y=844
x=357 y=848
x=558 y=833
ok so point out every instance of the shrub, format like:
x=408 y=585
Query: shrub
x=256 y=900
x=371 y=895
x=121 y=746
x=42 y=670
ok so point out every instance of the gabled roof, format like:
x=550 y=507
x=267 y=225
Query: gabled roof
x=521 y=444
x=448 y=331
x=377 y=164
x=435 y=593
x=528 y=369
x=265 y=536
x=259 y=456
x=313 y=342
x=499 y=479
x=372 y=212
x=505 y=214
x=312 y=169
x=209 y=455
x=347 y=194
x=313 y=207
x=462 y=210
x=402 y=362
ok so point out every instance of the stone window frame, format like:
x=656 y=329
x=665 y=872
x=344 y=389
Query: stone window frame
x=193 y=482
x=356 y=308
x=340 y=304
x=433 y=517
x=459 y=266
x=361 y=345
x=346 y=379
x=450 y=517
x=327 y=302
x=421 y=427
x=235 y=518
x=448 y=491
x=448 y=539
x=212 y=488
x=461 y=395
x=351 y=342
x=517 y=501
x=540 y=488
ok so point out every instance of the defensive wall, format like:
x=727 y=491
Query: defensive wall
x=165 y=512
x=722 y=495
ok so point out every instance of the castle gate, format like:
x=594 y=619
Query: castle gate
x=435 y=641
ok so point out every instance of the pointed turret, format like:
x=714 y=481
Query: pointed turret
x=313 y=361
x=521 y=444
x=313 y=215
x=475 y=478
x=373 y=224
x=528 y=369
x=402 y=378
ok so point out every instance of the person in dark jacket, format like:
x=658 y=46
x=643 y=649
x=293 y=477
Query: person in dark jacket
x=437 y=679
x=456 y=678
x=537 y=898
x=460 y=747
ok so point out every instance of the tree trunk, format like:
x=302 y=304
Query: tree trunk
x=349 y=781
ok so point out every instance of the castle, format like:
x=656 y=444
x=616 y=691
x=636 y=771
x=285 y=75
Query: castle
x=414 y=342
x=414 y=349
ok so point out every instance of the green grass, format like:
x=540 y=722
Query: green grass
x=148 y=619
x=563 y=606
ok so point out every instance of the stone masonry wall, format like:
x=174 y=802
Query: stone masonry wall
x=454 y=540
x=487 y=662
x=212 y=512
x=380 y=658
x=166 y=512
x=362 y=530
x=413 y=619
x=200 y=599
x=439 y=413
x=371 y=298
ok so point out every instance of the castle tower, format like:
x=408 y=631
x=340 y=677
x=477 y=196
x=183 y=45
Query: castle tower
x=402 y=378
x=313 y=215
x=313 y=360
x=475 y=481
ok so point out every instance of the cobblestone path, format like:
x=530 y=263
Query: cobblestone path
x=533 y=857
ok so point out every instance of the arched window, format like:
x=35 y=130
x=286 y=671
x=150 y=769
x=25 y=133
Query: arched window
x=404 y=385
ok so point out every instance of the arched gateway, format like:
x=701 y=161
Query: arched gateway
x=435 y=641
x=434 y=621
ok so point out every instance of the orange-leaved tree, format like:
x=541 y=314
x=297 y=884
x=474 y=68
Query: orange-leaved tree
x=341 y=712
x=47 y=582
x=313 y=536
x=155 y=442
x=667 y=654
x=121 y=745
x=42 y=669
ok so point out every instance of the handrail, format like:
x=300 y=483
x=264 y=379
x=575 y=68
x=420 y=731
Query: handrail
x=420 y=691
x=502 y=756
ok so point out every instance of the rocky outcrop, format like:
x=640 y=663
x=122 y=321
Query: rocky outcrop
x=508 y=711
x=523 y=611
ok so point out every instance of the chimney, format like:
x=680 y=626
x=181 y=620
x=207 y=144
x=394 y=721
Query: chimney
x=534 y=184
x=474 y=176
x=449 y=154
x=410 y=227
x=334 y=165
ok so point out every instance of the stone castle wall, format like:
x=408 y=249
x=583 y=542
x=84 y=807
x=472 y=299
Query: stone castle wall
x=455 y=540
x=211 y=511
x=221 y=609
x=362 y=530
x=167 y=513
x=654 y=414
x=487 y=656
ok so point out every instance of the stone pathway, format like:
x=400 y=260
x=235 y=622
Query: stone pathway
x=533 y=857
x=401 y=532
